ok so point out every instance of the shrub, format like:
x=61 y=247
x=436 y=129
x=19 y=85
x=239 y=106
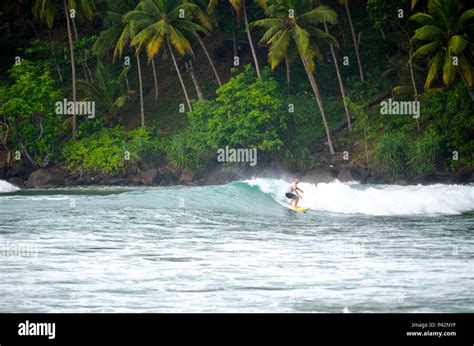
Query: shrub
x=425 y=154
x=29 y=110
x=247 y=113
x=187 y=150
x=104 y=152
x=391 y=153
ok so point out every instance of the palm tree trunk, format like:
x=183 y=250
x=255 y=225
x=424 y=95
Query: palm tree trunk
x=53 y=53
x=356 y=45
x=190 y=69
x=252 y=47
x=216 y=74
x=179 y=75
x=142 y=110
x=288 y=74
x=73 y=71
x=341 y=84
x=155 y=78
x=412 y=76
x=76 y=36
x=314 y=86
x=126 y=80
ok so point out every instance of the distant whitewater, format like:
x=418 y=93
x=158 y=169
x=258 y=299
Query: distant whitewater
x=7 y=187
x=354 y=198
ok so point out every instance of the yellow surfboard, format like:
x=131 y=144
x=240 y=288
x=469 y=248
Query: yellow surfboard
x=300 y=209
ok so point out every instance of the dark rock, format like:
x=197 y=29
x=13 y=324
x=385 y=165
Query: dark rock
x=226 y=174
x=425 y=179
x=401 y=182
x=187 y=176
x=3 y=170
x=134 y=180
x=453 y=177
x=17 y=182
x=360 y=174
x=84 y=180
x=345 y=175
x=376 y=179
x=96 y=180
x=18 y=169
x=117 y=181
x=150 y=177
x=164 y=182
x=320 y=176
x=43 y=178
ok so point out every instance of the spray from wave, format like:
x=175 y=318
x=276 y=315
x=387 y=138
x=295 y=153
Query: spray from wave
x=7 y=187
x=355 y=198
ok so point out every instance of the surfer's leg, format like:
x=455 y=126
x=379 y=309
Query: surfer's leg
x=296 y=202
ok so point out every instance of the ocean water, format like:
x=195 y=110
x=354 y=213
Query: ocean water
x=237 y=248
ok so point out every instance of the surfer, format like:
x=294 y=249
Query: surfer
x=293 y=193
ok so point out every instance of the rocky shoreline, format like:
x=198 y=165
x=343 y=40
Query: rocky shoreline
x=23 y=176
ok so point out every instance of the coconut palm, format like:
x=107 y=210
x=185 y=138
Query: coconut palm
x=341 y=83
x=284 y=31
x=47 y=10
x=345 y=3
x=108 y=91
x=160 y=22
x=118 y=36
x=445 y=32
x=240 y=8
x=209 y=22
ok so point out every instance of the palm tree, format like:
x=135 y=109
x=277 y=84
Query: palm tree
x=240 y=7
x=445 y=32
x=106 y=90
x=118 y=36
x=300 y=30
x=345 y=3
x=46 y=10
x=164 y=21
x=341 y=84
x=208 y=22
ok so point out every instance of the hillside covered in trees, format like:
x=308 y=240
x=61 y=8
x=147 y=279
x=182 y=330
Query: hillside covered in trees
x=148 y=92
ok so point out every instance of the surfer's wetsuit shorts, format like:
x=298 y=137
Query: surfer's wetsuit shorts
x=290 y=195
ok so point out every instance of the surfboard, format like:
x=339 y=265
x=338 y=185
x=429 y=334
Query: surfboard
x=300 y=209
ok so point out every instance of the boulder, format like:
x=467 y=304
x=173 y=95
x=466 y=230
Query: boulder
x=17 y=182
x=150 y=177
x=134 y=180
x=84 y=180
x=18 y=169
x=187 y=176
x=43 y=178
x=3 y=170
x=376 y=179
x=320 y=176
x=117 y=181
x=164 y=182
x=360 y=174
x=226 y=174
x=345 y=175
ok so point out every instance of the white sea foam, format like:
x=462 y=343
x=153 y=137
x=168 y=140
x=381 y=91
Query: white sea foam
x=7 y=187
x=351 y=198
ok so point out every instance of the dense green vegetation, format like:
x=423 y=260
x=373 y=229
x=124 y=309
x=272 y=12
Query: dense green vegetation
x=169 y=90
